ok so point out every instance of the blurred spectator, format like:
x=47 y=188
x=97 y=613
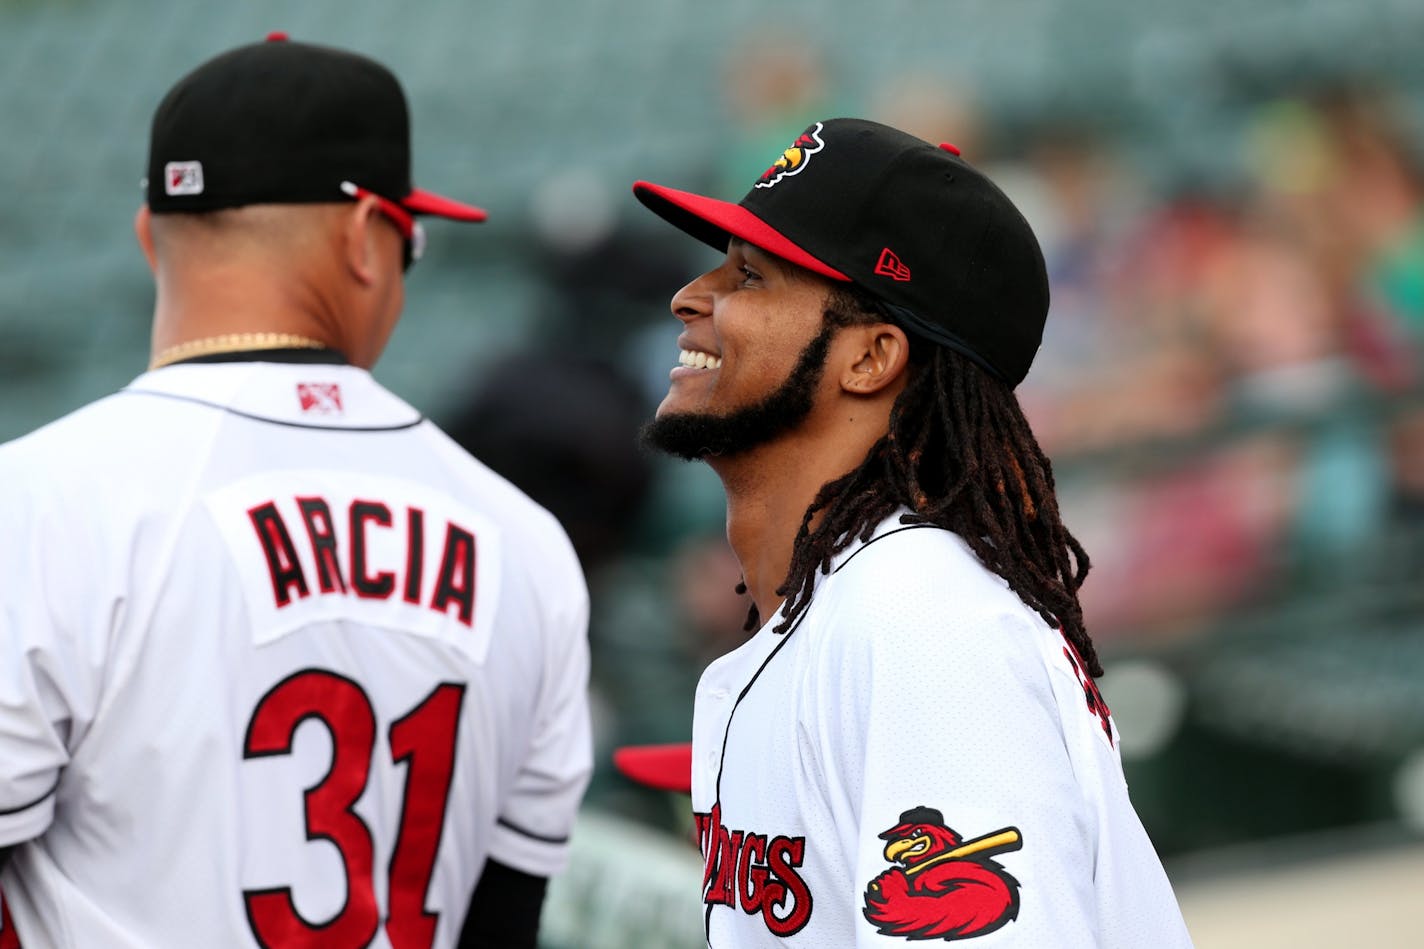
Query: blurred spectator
x=1376 y=198
x=933 y=107
x=1173 y=548
x=563 y=428
x=1336 y=171
x=776 y=79
x=603 y=283
x=1272 y=323
x=1124 y=318
x=1406 y=457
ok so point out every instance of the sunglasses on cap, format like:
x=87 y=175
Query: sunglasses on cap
x=410 y=230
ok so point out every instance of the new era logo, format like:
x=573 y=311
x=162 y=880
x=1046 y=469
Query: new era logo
x=183 y=177
x=890 y=265
x=319 y=398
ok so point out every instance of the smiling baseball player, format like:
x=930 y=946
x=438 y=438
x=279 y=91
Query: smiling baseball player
x=280 y=665
x=911 y=747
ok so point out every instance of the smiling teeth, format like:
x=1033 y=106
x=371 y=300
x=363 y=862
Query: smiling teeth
x=699 y=360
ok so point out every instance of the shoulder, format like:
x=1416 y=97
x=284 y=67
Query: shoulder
x=67 y=433
x=63 y=456
x=920 y=594
x=911 y=568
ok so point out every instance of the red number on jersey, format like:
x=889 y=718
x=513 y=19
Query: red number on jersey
x=425 y=740
x=340 y=705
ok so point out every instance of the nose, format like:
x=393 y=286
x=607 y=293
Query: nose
x=694 y=300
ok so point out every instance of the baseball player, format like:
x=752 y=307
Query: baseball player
x=280 y=665
x=911 y=746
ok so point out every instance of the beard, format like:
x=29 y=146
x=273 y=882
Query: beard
x=692 y=435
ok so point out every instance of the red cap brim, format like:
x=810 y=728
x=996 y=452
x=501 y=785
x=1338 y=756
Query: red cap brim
x=665 y=767
x=420 y=201
x=714 y=222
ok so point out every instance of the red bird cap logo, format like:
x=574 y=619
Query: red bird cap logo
x=942 y=887
x=794 y=159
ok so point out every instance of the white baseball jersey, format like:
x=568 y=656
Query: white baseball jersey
x=280 y=665
x=920 y=758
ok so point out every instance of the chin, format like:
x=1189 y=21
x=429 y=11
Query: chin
x=674 y=412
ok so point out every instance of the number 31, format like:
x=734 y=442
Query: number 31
x=424 y=739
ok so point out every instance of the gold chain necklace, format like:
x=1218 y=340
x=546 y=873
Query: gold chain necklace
x=233 y=343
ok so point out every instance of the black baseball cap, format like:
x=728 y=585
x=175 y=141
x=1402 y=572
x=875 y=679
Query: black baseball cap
x=926 y=234
x=280 y=122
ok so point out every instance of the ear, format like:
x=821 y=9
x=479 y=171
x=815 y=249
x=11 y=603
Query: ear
x=360 y=237
x=143 y=230
x=877 y=356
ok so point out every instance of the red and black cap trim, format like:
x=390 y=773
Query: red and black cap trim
x=280 y=122
x=931 y=238
x=715 y=222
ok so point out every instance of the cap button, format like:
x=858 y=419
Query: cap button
x=276 y=36
x=952 y=149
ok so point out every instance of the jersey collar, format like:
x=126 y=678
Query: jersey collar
x=323 y=356
x=305 y=392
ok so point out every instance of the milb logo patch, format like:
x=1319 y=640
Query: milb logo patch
x=942 y=887
x=183 y=177
x=319 y=398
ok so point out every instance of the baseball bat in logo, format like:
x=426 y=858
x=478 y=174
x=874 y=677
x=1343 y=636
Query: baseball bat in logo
x=942 y=887
x=794 y=159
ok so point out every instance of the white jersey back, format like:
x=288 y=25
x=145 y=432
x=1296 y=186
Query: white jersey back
x=920 y=757
x=279 y=665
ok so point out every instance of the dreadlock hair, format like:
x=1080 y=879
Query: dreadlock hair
x=960 y=455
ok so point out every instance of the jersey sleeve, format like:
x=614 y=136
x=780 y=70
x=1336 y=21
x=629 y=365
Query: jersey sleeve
x=935 y=723
x=536 y=821
x=48 y=683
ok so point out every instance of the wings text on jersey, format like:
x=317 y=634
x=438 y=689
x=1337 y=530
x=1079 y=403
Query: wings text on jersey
x=757 y=872
x=340 y=543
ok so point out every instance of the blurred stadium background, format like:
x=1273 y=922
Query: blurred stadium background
x=1231 y=199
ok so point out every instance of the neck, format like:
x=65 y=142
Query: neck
x=768 y=491
x=225 y=311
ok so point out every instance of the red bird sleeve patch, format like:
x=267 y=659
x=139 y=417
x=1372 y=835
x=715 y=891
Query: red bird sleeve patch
x=940 y=886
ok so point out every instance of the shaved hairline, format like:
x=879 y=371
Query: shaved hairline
x=259 y=225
